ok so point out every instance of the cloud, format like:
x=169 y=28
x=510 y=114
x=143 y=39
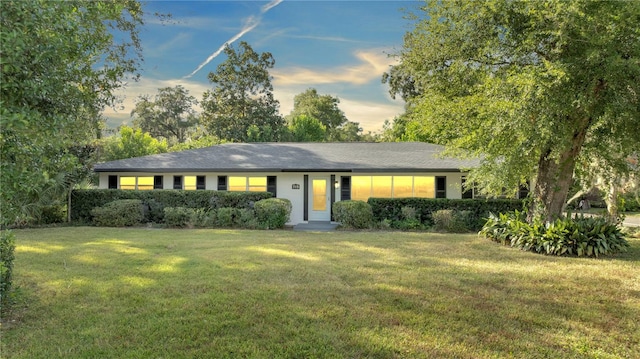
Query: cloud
x=372 y=64
x=250 y=23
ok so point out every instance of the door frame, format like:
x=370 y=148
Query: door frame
x=309 y=213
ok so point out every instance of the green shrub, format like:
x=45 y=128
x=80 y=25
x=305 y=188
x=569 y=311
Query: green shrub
x=246 y=218
x=154 y=211
x=226 y=216
x=353 y=214
x=178 y=217
x=120 y=213
x=585 y=236
x=52 y=214
x=273 y=213
x=409 y=219
x=7 y=249
x=478 y=209
x=84 y=201
x=447 y=220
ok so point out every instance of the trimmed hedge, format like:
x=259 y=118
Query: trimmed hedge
x=84 y=201
x=353 y=214
x=476 y=210
x=119 y=213
x=273 y=213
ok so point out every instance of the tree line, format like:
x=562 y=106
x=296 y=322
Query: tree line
x=547 y=93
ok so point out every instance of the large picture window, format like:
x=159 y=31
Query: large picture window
x=140 y=183
x=250 y=184
x=363 y=187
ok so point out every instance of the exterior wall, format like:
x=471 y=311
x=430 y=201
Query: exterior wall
x=290 y=185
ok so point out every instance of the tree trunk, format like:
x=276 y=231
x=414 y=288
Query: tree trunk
x=611 y=199
x=555 y=176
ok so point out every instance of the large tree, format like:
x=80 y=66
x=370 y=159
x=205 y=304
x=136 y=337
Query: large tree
x=170 y=115
x=241 y=100
x=533 y=86
x=61 y=62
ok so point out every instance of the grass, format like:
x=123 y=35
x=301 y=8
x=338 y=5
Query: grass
x=148 y=293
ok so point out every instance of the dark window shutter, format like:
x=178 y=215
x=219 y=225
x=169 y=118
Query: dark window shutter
x=305 y=215
x=345 y=188
x=201 y=182
x=441 y=187
x=272 y=185
x=467 y=193
x=177 y=182
x=113 y=182
x=157 y=182
x=222 y=183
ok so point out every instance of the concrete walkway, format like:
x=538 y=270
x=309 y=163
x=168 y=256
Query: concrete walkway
x=316 y=226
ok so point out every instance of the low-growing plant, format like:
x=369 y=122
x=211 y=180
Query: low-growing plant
x=178 y=217
x=353 y=214
x=120 y=213
x=583 y=236
x=273 y=213
x=226 y=216
x=246 y=218
x=453 y=221
x=7 y=249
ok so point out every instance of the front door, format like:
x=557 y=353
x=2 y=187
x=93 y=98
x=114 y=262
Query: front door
x=320 y=199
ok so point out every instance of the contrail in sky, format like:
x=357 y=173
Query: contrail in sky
x=249 y=25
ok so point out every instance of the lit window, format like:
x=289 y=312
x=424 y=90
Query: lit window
x=363 y=187
x=190 y=183
x=145 y=183
x=243 y=184
x=237 y=184
x=258 y=184
x=127 y=183
x=424 y=187
x=402 y=186
x=381 y=187
x=360 y=188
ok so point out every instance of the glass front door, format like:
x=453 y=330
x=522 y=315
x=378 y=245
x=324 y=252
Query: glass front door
x=319 y=202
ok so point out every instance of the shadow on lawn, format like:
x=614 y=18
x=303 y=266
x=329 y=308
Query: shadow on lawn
x=324 y=296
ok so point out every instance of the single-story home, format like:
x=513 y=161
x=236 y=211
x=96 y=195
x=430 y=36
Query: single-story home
x=311 y=175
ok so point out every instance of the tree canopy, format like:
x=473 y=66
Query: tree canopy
x=533 y=87
x=170 y=115
x=242 y=97
x=60 y=65
x=131 y=143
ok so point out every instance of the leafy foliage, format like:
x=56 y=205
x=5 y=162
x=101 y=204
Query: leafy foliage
x=534 y=87
x=7 y=250
x=306 y=129
x=353 y=214
x=131 y=143
x=242 y=98
x=61 y=64
x=83 y=201
x=584 y=236
x=473 y=212
x=170 y=115
x=119 y=213
x=453 y=221
x=273 y=213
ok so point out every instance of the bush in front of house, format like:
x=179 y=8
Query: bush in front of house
x=453 y=221
x=273 y=213
x=84 y=201
x=584 y=236
x=120 y=213
x=478 y=210
x=7 y=249
x=353 y=214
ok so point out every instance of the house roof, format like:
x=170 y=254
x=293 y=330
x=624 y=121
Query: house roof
x=298 y=157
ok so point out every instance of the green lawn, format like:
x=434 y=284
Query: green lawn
x=149 y=293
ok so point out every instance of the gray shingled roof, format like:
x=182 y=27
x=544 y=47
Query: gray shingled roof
x=297 y=157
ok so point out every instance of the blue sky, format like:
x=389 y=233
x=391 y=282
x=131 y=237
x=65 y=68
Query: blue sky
x=338 y=47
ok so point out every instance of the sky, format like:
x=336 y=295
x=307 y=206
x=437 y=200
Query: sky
x=340 y=48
